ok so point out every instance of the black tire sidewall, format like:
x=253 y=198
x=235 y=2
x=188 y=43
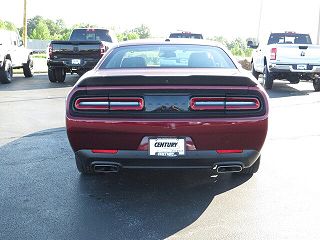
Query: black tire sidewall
x=28 y=68
x=6 y=72
x=267 y=78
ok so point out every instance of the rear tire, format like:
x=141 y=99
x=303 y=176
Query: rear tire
x=254 y=72
x=267 y=78
x=51 y=75
x=251 y=170
x=82 y=167
x=60 y=74
x=316 y=84
x=6 y=72
x=28 y=68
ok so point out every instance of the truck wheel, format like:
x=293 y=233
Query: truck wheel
x=267 y=78
x=60 y=74
x=6 y=72
x=82 y=167
x=293 y=80
x=316 y=84
x=51 y=75
x=28 y=68
x=251 y=170
x=254 y=72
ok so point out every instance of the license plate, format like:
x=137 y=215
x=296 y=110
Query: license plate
x=302 y=67
x=167 y=147
x=76 y=61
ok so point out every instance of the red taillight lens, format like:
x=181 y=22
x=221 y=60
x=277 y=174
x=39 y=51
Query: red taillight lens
x=226 y=151
x=207 y=103
x=50 y=51
x=103 y=49
x=126 y=103
x=112 y=103
x=101 y=103
x=224 y=103
x=240 y=103
x=273 y=54
x=107 y=151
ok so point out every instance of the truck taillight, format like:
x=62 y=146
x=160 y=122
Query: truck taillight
x=273 y=54
x=103 y=49
x=50 y=50
x=224 y=103
x=112 y=103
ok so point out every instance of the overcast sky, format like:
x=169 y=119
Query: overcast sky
x=230 y=18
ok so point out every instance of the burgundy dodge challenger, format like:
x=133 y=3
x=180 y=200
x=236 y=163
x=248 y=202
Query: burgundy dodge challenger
x=171 y=104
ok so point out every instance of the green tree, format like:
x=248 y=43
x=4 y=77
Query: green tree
x=32 y=23
x=7 y=25
x=221 y=40
x=142 y=31
x=41 y=31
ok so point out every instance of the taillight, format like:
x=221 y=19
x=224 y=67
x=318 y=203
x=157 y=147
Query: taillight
x=50 y=51
x=224 y=103
x=242 y=103
x=126 y=103
x=112 y=103
x=207 y=103
x=103 y=49
x=273 y=55
x=228 y=151
x=92 y=103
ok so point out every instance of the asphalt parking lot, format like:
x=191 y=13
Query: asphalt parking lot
x=44 y=197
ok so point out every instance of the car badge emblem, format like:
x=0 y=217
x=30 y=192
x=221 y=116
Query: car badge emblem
x=303 y=53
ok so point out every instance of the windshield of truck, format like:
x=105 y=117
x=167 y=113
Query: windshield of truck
x=90 y=35
x=167 y=56
x=289 y=38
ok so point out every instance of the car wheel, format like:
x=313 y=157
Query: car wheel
x=60 y=74
x=51 y=75
x=251 y=170
x=6 y=72
x=267 y=80
x=316 y=84
x=254 y=72
x=82 y=167
x=28 y=68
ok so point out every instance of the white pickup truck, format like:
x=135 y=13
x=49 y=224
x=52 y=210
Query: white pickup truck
x=290 y=56
x=13 y=55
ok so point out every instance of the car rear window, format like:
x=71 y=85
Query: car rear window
x=90 y=35
x=167 y=56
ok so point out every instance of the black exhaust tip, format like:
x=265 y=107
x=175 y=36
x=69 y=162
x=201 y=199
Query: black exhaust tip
x=229 y=168
x=106 y=168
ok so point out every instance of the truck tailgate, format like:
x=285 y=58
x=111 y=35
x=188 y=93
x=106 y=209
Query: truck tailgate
x=297 y=54
x=76 y=49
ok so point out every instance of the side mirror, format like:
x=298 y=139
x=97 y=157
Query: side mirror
x=20 y=43
x=250 y=44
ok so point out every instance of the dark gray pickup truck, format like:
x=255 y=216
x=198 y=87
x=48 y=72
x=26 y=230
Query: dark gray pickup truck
x=78 y=55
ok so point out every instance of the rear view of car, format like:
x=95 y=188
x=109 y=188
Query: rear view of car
x=167 y=105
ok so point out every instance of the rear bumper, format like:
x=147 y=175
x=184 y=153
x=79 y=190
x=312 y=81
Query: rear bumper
x=67 y=63
x=292 y=68
x=129 y=159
